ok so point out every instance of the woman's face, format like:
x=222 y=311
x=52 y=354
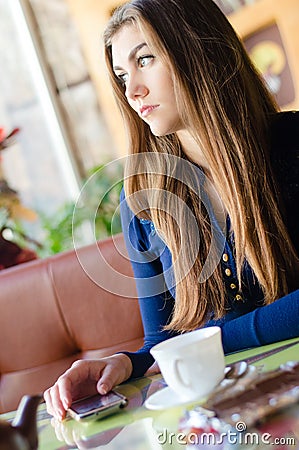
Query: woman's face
x=147 y=81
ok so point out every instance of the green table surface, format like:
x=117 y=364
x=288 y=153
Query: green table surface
x=137 y=428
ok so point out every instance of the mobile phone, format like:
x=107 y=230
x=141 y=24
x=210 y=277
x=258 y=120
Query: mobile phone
x=97 y=406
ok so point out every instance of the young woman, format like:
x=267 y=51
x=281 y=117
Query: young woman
x=210 y=193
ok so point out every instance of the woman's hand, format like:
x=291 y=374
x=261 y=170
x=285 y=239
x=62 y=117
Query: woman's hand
x=153 y=370
x=85 y=378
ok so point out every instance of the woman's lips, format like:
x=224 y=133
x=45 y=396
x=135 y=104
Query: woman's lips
x=146 y=110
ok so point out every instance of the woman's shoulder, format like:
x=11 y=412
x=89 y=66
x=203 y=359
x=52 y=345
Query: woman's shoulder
x=139 y=230
x=284 y=140
x=285 y=164
x=284 y=133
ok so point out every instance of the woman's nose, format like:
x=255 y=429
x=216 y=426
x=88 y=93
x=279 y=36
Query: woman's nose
x=135 y=89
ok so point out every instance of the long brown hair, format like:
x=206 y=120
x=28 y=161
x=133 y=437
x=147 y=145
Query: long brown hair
x=225 y=105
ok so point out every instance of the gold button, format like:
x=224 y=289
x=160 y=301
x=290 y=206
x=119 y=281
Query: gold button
x=233 y=286
x=228 y=272
x=225 y=257
x=238 y=297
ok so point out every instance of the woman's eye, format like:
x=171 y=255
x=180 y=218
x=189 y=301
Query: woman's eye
x=143 y=61
x=122 y=77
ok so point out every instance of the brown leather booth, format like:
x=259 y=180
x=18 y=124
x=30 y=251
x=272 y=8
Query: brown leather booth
x=53 y=311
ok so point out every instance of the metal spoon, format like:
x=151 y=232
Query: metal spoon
x=236 y=370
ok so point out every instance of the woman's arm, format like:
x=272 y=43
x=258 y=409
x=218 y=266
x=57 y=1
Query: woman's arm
x=265 y=325
x=150 y=259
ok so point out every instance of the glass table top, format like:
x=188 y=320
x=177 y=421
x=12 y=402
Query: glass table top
x=138 y=428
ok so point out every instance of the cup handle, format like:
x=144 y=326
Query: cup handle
x=178 y=375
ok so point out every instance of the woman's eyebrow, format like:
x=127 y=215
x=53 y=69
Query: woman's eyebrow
x=132 y=54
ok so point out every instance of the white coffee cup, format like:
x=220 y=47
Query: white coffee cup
x=192 y=364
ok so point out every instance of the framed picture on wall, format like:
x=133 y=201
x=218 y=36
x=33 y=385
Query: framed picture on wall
x=267 y=51
x=270 y=32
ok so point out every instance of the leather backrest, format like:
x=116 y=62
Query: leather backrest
x=52 y=308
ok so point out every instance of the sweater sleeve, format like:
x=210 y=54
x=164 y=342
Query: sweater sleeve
x=155 y=301
x=265 y=325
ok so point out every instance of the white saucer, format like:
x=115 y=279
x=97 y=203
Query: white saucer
x=165 y=398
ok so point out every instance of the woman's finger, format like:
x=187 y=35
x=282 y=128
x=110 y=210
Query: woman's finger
x=117 y=370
